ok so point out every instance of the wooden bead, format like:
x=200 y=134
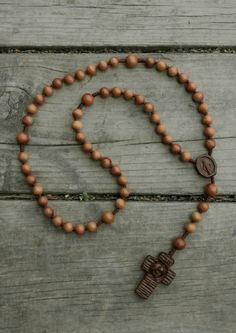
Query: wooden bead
x=211 y=190
x=128 y=94
x=87 y=99
x=80 y=137
x=203 y=108
x=39 y=99
x=150 y=62
x=179 y=243
x=79 y=75
x=190 y=227
x=175 y=148
x=148 y=107
x=167 y=139
x=91 y=70
x=196 y=217
x=68 y=79
x=160 y=129
x=23 y=156
x=209 y=132
x=210 y=144
x=68 y=227
x=37 y=190
x=27 y=120
x=22 y=138
x=113 y=62
x=79 y=229
x=131 y=61
x=120 y=203
x=31 y=109
x=107 y=217
x=122 y=180
x=104 y=92
x=77 y=113
x=91 y=226
x=198 y=97
x=185 y=156
x=139 y=99
x=182 y=78
x=96 y=155
x=124 y=192
x=87 y=147
x=207 y=120
x=106 y=163
x=77 y=125
x=155 y=118
x=203 y=207
x=26 y=168
x=57 y=83
x=161 y=65
x=191 y=87
x=43 y=201
x=116 y=92
x=48 y=212
x=115 y=170
x=102 y=65
x=172 y=71
x=48 y=91
x=57 y=221
x=31 y=180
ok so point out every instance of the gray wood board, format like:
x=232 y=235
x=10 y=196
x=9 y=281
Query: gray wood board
x=56 y=282
x=110 y=23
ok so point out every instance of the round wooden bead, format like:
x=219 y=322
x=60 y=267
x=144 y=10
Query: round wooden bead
x=155 y=118
x=160 y=129
x=139 y=99
x=122 y=180
x=190 y=227
x=150 y=62
x=87 y=99
x=91 y=70
x=91 y=226
x=96 y=155
x=167 y=139
x=185 y=156
x=120 y=203
x=48 y=212
x=124 y=192
x=209 y=132
x=37 y=189
x=148 y=107
x=23 y=156
x=47 y=91
x=57 y=220
x=210 y=144
x=203 y=206
x=43 y=201
x=107 y=217
x=102 y=65
x=68 y=79
x=179 y=243
x=31 y=108
x=211 y=190
x=106 y=163
x=104 y=92
x=39 y=99
x=77 y=125
x=175 y=148
x=191 y=87
x=131 y=61
x=115 y=170
x=68 y=227
x=27 y=120
x=207 y=120
x=79 y=229
x=113 y=62
x=31 y=180
x=26 y=168
x=196 y=217
x=80 y=137
x=161 y=65
x=57 y=83
x=198 y=97
x=203 y=108
x=116 y=92
x=87 y=147
x=77 y=113
x=22 y=138
x=128 y=94
x=172 y=71
x=79 y=75
x=182 y=78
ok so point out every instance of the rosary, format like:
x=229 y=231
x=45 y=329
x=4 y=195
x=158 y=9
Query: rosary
x=156 y=269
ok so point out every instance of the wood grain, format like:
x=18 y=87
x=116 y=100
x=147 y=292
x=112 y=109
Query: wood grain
x=108 y=23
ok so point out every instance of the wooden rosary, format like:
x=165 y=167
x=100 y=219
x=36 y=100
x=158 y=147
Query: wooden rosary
x=157 y=269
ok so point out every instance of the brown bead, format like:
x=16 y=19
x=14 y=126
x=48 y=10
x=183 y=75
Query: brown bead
x=198 y=97
x=182 y=78
x=190 y=227
x=210 y=144
x=131 y=61
x=102 y=65
x=179 y=243
x=150 y=62
x=26 y=168
x=91 y=70
x=185 y=156
x=43 y=201
x=148 y=107
x=68 y=227
x=77 y=113
x=172 y=71
x=211 y=190
x=120 y=203
x=196 y=217
x=116 y=92
x=31 y=108
x=115 y=170
x=80 y=137
x=37 y=190
x=106 y=163
x=160 y=129
x=104 y=92
x=48 y=212
x=57 y=220
x=161 y=65
x=203 y=108
x=139 y=99
x=191 y=87
x=207 y=120
x=175 y=148
x=96 y=155
x=77 y=125
x=155 y=118
x=22 y=138
x=124 y=192
x=107 y=217
x=167 y=139
x=87 y=147
x=39 y=99
x=48 y=91
x=23 y=156
x=31 y=180
x=27 y=120
x=79 y=229
x=87 y=99
x=203 y=206
x=68 y=79
x=91 y=226
x=122 y=180
x=114 y=62
x=128 y=94
x=209 y=132
x=57 y=83
x=79 y=75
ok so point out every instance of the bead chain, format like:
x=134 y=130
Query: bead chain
x=131 y=61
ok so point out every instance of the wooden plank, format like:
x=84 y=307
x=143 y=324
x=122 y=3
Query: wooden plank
x=124 y=23
x=53 y=282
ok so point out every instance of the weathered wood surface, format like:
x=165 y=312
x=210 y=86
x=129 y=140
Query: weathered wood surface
x=110 y=23
x=53 y=282
x=116 y=127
